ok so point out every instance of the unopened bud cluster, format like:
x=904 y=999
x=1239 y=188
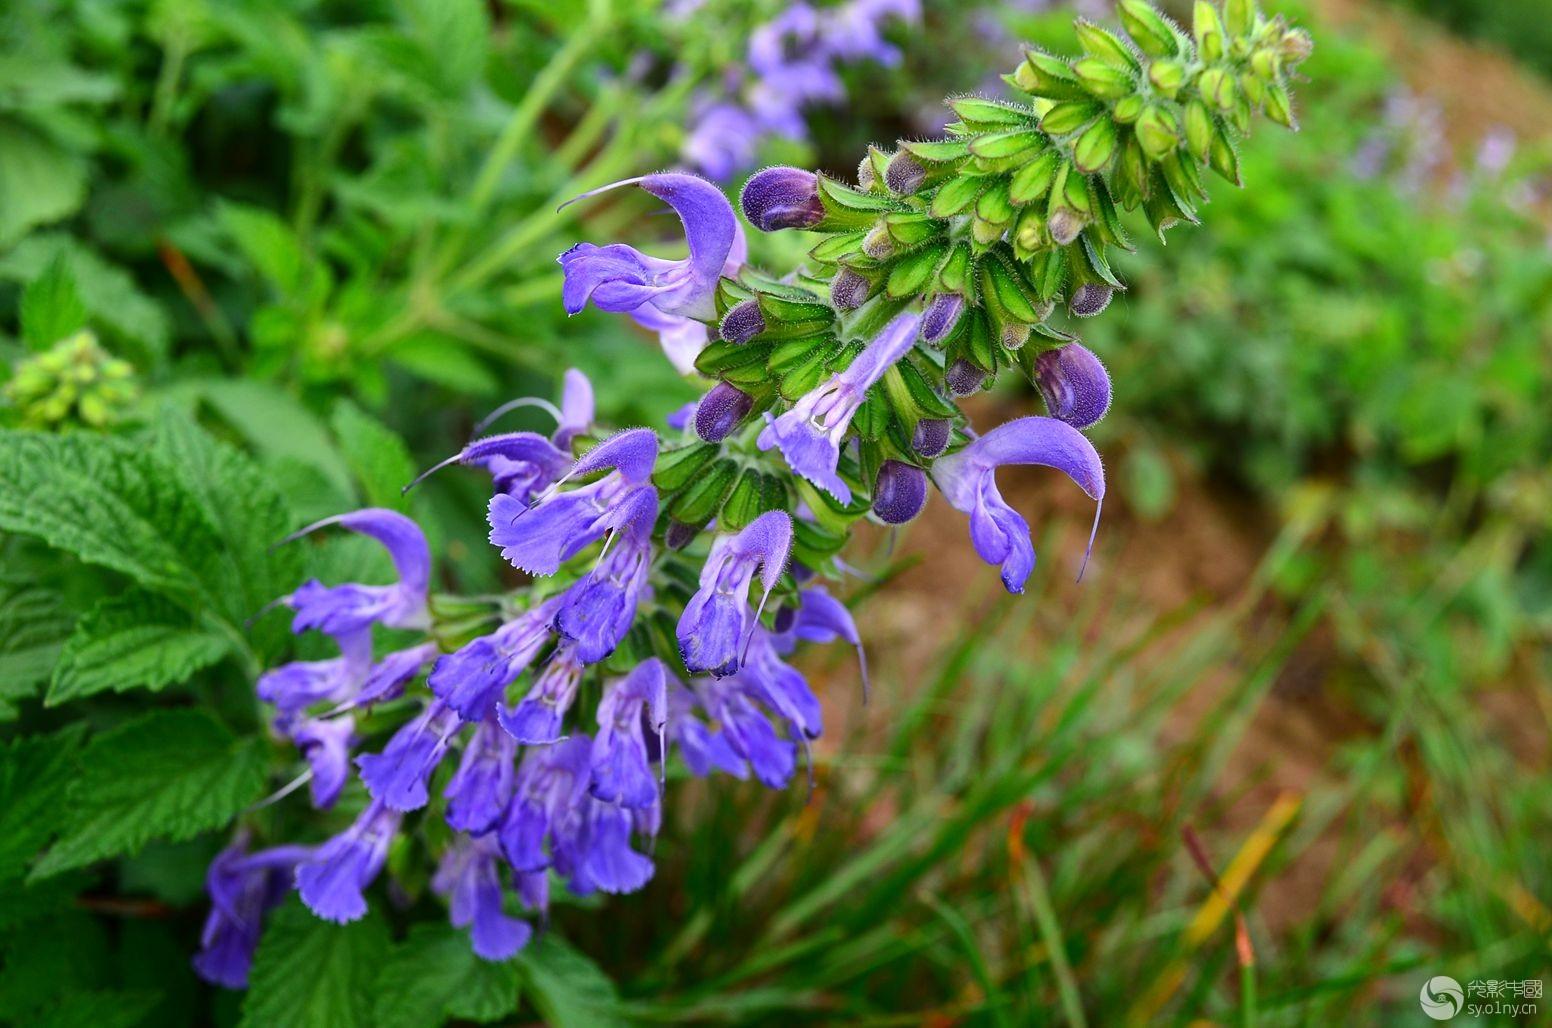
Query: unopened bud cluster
x=74 y=381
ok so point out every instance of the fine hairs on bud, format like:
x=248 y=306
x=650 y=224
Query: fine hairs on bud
x=1014 y=335
x=743 y=322
x=878 y=245
x=1064 y=226
x=964 y=378
x=782 y=197
x=720 y=411
x=900 y=492
x=1089 y=299
x=931 y=436
x=849 y=290
x=940 y=317
x=866 y=176
x=904 y=174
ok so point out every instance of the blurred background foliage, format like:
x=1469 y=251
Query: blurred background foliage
x=1283 y=756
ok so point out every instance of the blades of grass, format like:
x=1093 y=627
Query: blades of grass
x=1029 y=886
x=972 y=950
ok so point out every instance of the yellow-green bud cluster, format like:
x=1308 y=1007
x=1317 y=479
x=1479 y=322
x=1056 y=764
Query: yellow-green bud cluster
x=74 y=381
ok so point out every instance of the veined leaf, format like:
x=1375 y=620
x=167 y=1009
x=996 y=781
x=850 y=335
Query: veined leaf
x=169 y=775
x=39 y=182
x=34 y=624
x=51 y=308
x=568 y=989
x=434 y=976
x=309 y=973
x=34 y=773
x=130 y=641
x=378 y=457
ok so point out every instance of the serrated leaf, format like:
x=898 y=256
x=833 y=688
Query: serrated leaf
x=378 y=458
x=565 y=987
x=34 y=773
x=131 y=641
x=434 y=976
x=51 y=307
x=111 y=296
x=34 y=623
x=169 y=775
x=309 y=973
x=39 y=181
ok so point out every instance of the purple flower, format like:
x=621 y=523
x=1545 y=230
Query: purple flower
x=594 y=850
x=397 y=777
x=470 y=879
x=723 y=139
x=342 y=609
x=559 y=525
x=1074 y=383
x=333 y=879
x=900 y=492
x=747 y=731
x=704 y=748
x=301 y=683
x=940 y=317
x=720 y=411
x=551 y=782
x=470 y=680
x=599 y=609
x=809 y=435
x=536 y=720
x=821 y=618
x=931 y=436
x=620 y=278
x=684 y=338
x=620 y=759
x=325 y=743
x=717 y=620
x=242 y=887
x=782 y=197
x=478 y=792
x=388 y=677
x=968 y=481
x=780 y=686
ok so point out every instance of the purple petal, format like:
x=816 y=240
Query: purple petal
x=333 y=880
x=1074 y=383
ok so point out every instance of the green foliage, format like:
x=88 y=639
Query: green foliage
x=131 y=641
x=433 y=976
x=312 y=974
x=168 y=775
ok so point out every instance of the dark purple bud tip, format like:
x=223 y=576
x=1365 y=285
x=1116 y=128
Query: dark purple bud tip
x=1064 y=226
x=680 y=535
x=782 y=197
x=904 y=174
x=940 y=317
x=849 y=290
x=877 y=244
x=1074 y=383
x=1089 y=299
x=964 y=378
x=720 y=411
x=931 y=436
x=900 y=492
x=743 y=322
x=785 y=618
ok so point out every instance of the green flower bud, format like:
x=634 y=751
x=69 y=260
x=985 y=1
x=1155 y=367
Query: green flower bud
x=1103 y=80
x=1128 y=109
x=1167 y=77
x=1263 y=63
x=1105 y=46
x=1199 y=128
x=1047 y=76
x=1208 y=30
x=1158 y=132
x=1222 y=158
x=1279 y=106
x=1240 y=16
x=1096 y=147
x=1218 y=87
x=1296 y=46
x=1149 y=29
x=1069 y=116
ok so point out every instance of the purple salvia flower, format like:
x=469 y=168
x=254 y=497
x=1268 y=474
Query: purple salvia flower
x=723 y=139
x=964 y=378
x=705 y=749
x=597 y=611
x=720 y=411
x=780 y=686
x=1089 y=299
x=620 y=278
x=388 y=677
x=242 y=888
x=742 y=322
x=968 y=481
x=717 y=620
x=809 y=435
x=900 y=492
x=940 y=317
x=325 y=744
x=295 y=686
x=478 y=793
x=397 y=777
x=520 y=464
x=782 y=197
x=469 y=877
x=537 y=718
x=1074 y=383
x=594 y=850
x=333 y=879
x=748 y=731
x=541 y=537
x=683 y=338
x=849 y=290
x=342 y=609
x=630 y=705
x=821 y=618
x=551 y=782
x=471 y=679
x=680 y=419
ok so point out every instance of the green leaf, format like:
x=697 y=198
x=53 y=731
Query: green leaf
x=269 y=244
x=378 y=458
x=171 y=774
x=434 y=976
x=34 y=773
x=111 y=297
x=309 y=973
x=275 y=424
x=39 y=182
x=565 y=987
x=454 y=35
x=51 y=308
x=34 y=624
x=109 y=503
x=130 y=641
